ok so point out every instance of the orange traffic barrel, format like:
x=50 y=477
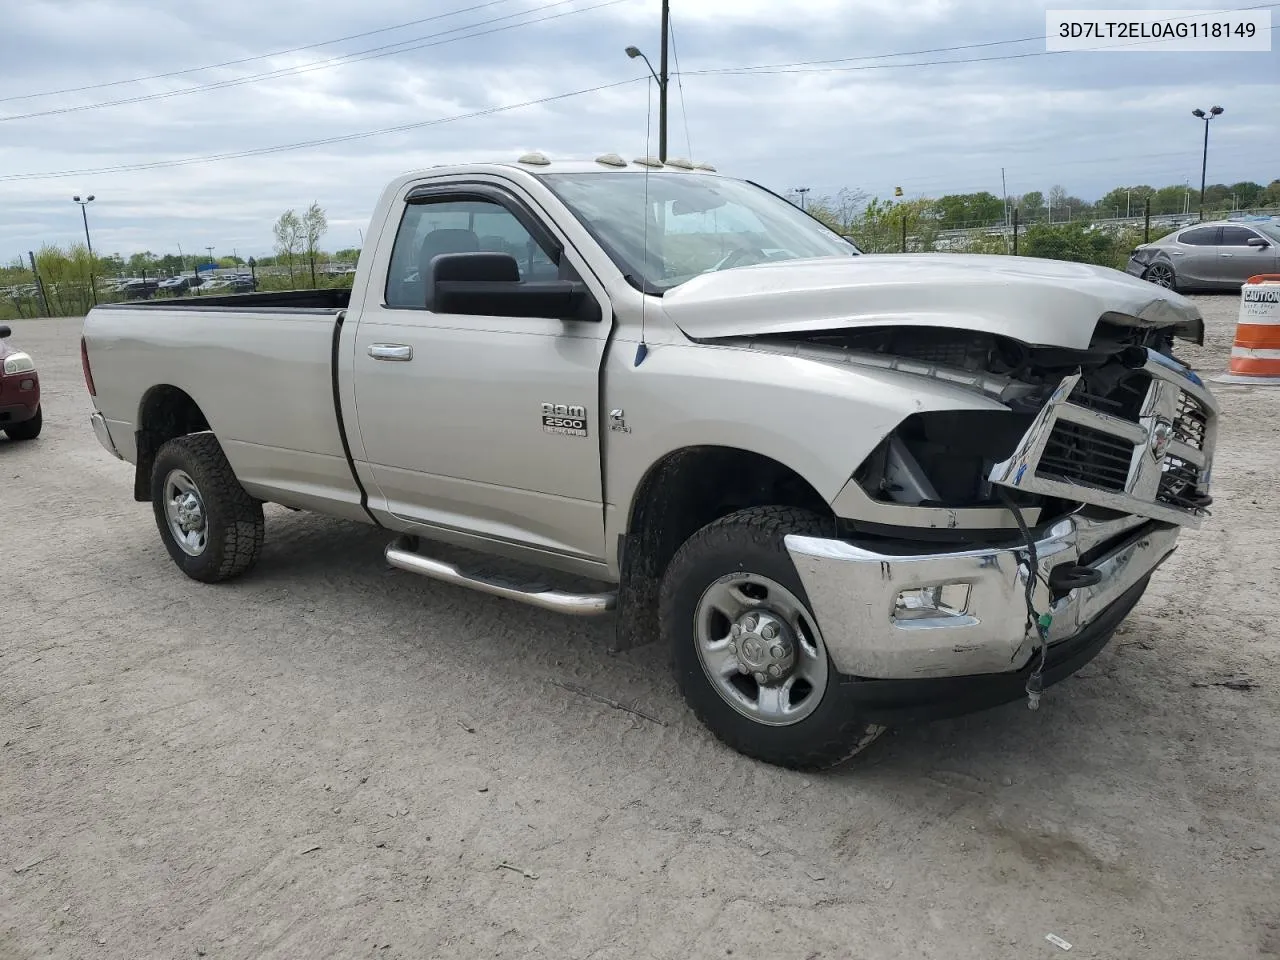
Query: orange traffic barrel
x=1255 y=357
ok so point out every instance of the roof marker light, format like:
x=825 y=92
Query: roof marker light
x=611 y=160
x=535 y=159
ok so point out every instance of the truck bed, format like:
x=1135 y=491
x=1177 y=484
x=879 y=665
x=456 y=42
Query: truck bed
x=325 y=298
x=257 y=369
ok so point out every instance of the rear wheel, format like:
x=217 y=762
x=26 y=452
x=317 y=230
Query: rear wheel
x=749 y=656
x=27 y=429
x=211 y=527
x=1162 y=275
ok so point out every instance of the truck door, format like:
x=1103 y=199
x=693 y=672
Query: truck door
x=450 y=407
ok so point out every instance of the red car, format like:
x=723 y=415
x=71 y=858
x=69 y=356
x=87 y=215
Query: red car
x=19 y=392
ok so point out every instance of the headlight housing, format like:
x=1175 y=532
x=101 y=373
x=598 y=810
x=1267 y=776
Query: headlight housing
x=18 y=363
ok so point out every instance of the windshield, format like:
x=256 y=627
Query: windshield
x=1270 y=230
x=695 y=224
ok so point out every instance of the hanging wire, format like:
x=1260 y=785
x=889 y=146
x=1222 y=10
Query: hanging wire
x=684 y=111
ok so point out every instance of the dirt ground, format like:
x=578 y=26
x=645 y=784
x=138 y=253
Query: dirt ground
x=334 y=759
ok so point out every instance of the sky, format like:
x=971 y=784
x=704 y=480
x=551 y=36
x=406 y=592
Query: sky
x=444 y=72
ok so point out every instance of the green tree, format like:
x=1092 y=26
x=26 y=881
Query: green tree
x=879 y=228
x=1124 y=201
x=1247 y=193
x=1081 y=243
x=314 y=226
x=839 y=212
x=288 y=232
x=1031 y=206
x=1169 y=199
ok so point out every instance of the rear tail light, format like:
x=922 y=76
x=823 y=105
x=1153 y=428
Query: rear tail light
x=84 y=365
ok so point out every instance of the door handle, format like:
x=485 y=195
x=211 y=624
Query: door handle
x=391 y=351
x=1226 y=254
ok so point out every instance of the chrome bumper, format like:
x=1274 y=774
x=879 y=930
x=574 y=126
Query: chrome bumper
x=866 y=603
x=104 y=435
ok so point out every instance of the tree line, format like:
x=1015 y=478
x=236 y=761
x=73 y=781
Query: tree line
x=848 y=209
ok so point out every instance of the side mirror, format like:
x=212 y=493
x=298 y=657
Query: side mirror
x=4 y=330
x=482 y=284
x=1257 y=242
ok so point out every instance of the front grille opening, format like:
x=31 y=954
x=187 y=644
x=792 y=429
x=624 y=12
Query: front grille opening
x=1178 y=484
x=1114 y=391
x=1082 y=455
x=1191 y=421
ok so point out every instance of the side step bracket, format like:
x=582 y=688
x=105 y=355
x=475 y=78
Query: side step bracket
x=400 y=554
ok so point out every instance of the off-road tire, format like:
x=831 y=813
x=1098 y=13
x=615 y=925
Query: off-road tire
x=27 y=429
x=752 y=540
x=234 y=519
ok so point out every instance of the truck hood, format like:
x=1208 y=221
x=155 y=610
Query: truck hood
x=1039 y=302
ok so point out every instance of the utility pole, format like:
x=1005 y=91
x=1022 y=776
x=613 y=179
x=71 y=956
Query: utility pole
x=663 y=79
x=44 y=300
x=1004 y=188
x=93 y=288
x=660 y=75
x=1204 y=159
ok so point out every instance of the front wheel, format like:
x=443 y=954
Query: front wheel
x=1162 y=275
x=27 y=429
x=210 y=525
x=749 y=656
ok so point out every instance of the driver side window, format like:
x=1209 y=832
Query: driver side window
x=457 y=226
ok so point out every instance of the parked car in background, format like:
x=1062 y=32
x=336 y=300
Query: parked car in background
x=20 y=416
x=1218 y=255
x=179 y=284
x=137 y=288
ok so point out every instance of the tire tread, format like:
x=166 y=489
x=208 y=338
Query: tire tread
x=765 y=528
x=241 y=535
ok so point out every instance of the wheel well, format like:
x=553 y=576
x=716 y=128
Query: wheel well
x=682 y=493
x=166 y=412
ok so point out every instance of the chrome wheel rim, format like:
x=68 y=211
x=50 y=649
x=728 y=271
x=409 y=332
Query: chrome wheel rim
x=184 y=511
x=1160 y=275
x=761 y=649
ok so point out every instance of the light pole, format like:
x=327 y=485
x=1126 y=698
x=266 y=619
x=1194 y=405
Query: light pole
x=1204 y=159
x=212 y=262
x=661 y=76
x=801 y=191
x=93 y=290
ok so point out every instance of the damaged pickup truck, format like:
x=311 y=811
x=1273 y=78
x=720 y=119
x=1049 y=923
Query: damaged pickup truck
x=846 y=490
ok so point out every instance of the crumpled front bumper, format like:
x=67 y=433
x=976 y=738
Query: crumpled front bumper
x=863 y=599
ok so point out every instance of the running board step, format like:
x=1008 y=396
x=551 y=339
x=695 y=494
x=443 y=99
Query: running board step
x=400 y=554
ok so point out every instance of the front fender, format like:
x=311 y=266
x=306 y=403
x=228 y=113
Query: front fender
x=819 y=419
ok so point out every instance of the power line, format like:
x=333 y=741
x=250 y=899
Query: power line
x=371 y=54
x=302 y=144
x=261 y=56
x=823 y=66
x=753 y=72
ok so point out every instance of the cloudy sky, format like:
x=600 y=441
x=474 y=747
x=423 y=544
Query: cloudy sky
x=889 y=114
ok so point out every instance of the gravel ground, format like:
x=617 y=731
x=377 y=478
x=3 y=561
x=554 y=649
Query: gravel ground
x=334 y=759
